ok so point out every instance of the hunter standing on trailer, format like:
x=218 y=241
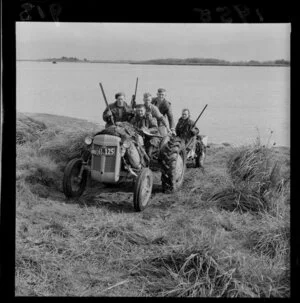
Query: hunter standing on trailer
x=164 y=107
x=119 y=110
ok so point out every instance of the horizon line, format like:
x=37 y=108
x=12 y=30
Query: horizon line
x=169 y=58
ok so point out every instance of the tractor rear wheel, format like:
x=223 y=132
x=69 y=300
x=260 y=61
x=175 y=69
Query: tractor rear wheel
x=173 y=159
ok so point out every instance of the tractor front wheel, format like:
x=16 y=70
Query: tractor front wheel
x=142 y=189
x=74 y=184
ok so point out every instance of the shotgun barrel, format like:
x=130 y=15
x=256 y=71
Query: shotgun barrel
x=133 y=102
x=103 y=93
x=199 y=116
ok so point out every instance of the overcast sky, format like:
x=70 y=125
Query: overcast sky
x=139 y=41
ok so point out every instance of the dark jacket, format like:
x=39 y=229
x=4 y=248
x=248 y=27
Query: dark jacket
x=120 y=113
x=184 y=129
x=165 y=108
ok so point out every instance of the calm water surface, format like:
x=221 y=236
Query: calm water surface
x=241 y=100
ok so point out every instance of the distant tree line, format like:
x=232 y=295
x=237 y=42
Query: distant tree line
x=212 y=61
x=70 y=59
x=65 y=59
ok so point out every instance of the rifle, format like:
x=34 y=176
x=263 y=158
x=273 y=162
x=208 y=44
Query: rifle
x=133 y=103
x=199 y=116
x=112 y=117
x=191 y=140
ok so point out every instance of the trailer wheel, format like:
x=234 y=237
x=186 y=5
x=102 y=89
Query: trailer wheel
x=73 y=186
x=201 y=153
x=142 y=189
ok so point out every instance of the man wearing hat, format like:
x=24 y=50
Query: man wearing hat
x=120 y=111
x=164 y=107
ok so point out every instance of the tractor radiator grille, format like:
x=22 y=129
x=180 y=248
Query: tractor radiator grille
x=109 y=163
x=96 y=163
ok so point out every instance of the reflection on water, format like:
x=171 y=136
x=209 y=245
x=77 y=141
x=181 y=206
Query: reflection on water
x=240 y=99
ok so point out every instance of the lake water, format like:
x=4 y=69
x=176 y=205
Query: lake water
x=241 y=100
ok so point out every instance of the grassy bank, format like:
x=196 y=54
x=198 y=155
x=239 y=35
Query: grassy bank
x=224 y=234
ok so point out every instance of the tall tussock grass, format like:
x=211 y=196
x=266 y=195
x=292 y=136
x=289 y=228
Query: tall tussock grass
x=270 y=236
x=185 y=273
x=240 y=199
x=204 y=271
x=60 y=144
x=38 y=172
x=255 y=180
x=259 y=184
x=42 y=154
x=189 y=265
x=66 y=146
x=208 y=264
x=28 y=129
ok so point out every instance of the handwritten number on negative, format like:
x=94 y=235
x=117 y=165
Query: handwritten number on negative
x=25 y=14
x=55 y=10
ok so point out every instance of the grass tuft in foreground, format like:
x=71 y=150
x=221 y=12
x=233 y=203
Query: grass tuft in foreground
x=187 y=272
x=256 y=181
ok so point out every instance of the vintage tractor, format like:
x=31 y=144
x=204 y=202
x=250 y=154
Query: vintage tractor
x=118 y=152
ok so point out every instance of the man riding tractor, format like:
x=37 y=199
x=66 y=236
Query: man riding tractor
x=116 y=153
x=146 y=124
x=166 y=153
x=165 y=108
x=155 y=113
x=189 y=133
x=119 y=111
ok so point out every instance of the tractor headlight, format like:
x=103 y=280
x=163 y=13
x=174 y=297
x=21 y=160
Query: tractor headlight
x=126 y=143
x=88 y=140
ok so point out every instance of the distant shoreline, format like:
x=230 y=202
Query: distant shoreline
x=213 y=64
x=62 y=119
x=164 y=63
